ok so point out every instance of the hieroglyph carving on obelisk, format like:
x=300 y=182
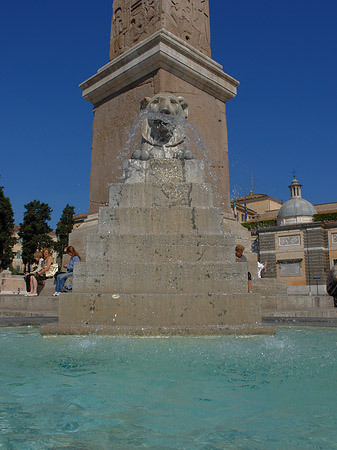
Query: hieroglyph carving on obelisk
x=135 y=20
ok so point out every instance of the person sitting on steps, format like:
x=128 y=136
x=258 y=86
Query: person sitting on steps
x=240 y=257
x=37 y=266
x=62 y=277
x=41 y=274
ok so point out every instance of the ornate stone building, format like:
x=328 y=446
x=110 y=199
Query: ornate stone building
x=298 y=249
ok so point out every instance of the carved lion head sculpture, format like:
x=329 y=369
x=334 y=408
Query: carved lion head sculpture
x=163 y=128
x=166 y=104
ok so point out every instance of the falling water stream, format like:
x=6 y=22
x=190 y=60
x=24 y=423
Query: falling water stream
x=194 y=142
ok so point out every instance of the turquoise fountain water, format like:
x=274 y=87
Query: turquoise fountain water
x=266 y=392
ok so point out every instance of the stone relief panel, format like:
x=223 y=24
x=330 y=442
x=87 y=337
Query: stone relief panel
x=291 y=268
x=135 y=20
x=144 y=16
x=284 y=241
x=118 y=27
x=334 y=238
x=189 y=20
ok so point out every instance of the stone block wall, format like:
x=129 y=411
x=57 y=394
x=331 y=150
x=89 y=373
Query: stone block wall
x=268 y=253
x=316 y=255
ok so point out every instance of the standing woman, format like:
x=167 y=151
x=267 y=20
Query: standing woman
x=40 y=275
x=62 y=277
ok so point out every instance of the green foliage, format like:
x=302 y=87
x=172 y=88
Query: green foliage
x=325 y=217
x=259 y=224
x=7 y=240
x=64 y=228
x=34 y=230
x=15 y=271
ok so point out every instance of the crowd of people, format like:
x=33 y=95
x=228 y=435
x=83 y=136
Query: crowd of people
x=45 y=268
x=44 y=261
x=42 y=269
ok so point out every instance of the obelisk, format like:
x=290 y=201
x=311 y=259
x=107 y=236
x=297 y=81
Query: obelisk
x=158 y=46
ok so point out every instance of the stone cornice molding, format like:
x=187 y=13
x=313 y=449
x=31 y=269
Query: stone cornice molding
x=291 y=227
x=162 y=50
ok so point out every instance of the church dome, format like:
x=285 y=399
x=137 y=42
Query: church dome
x=296 y=207
x=295 y=210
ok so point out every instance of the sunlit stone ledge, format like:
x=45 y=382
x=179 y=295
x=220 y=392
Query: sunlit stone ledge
x=162 y=50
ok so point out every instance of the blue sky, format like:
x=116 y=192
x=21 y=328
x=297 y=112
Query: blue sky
x=284 y=118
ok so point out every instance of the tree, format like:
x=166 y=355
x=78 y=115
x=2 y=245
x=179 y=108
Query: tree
x=34 y=230
x=64 y=228
x=7 y=240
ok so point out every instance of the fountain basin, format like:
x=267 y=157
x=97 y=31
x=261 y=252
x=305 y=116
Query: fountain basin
x=261 y=392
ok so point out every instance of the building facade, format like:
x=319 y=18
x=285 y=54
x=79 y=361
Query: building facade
x=299 y=249
x=256 y=207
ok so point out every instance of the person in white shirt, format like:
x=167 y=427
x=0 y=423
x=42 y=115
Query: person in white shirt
x=261 y=268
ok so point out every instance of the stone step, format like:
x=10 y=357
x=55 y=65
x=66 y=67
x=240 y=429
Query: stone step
x=155 y=330
x=317 y=312
x=18 y=282
x=295 y=302
x=145 y=195
x=17 y=313
x=269 y=286
x=47 y=289
x=160 y=309
x=123 y=277
x=28 y=305
x=159 y=221
x=9 y=284
x=161 y=248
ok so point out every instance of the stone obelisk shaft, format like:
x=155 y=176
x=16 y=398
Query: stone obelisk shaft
x=158 y=46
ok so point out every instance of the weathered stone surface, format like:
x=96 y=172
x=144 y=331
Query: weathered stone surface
x=161 y=248
x=157 y=220
x=160 y=310
x=282 y=302
x=168 y=195
x=147 y=277
x=158 y=46
x=78 y=238
x=158 y=172
x=112 y=89
x=19 y=306
x=135 y=20
x=269 y=286
x=153 y=266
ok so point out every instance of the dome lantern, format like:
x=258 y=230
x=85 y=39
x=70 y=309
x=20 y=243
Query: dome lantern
x=295 y=189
